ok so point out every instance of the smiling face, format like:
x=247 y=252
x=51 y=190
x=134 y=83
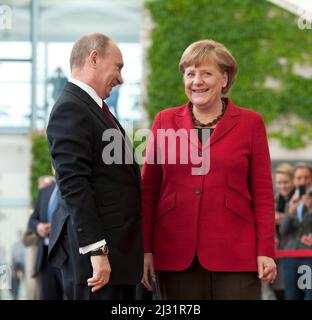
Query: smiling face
x=284 y=184
x=203 y=84
x=303 y=176
x=108 y=72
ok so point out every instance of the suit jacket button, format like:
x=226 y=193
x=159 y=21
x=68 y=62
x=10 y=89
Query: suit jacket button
x=200 y=153
x=197 y=191
x=79 y=229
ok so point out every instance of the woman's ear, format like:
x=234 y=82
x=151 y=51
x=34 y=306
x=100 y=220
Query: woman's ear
x=225 y=79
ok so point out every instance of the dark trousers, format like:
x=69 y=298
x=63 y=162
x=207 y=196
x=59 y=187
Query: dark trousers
x=79 y=290
x=50 y=279
x=291 y=276
x=201 y=284
x=142 y=293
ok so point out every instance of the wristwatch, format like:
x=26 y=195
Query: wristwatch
x=102 y=251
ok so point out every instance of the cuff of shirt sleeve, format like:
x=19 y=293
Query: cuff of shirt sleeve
x=93 y=246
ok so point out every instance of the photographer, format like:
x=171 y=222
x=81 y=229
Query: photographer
x=294 y=226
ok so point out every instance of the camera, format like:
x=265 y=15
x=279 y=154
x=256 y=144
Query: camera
x=302 y=190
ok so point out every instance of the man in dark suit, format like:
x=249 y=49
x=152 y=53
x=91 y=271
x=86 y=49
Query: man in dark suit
x=50 y=278
x=99 y=245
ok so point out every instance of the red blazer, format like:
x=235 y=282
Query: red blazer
x=225 y=215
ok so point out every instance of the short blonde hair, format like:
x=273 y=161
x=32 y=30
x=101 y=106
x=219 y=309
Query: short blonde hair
x=199 y=51
x=285 y=168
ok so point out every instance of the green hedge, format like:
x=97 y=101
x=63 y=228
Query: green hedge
x=258 y=34
x=40 y=162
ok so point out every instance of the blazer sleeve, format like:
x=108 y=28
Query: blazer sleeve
x=261 y=187
x=70 y=141
x=151 y=182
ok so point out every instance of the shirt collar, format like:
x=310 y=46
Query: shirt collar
x=89 y=90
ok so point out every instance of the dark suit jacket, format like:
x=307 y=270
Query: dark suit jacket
x=293 y=230
x=103 y=201
x=40 y=215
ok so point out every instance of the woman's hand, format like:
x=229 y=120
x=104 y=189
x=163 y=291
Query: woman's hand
x=148 y=270
x=266 y=269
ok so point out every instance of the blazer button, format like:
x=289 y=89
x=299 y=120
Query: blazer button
x=197 y=191
x=79 y=229
x=200 y=153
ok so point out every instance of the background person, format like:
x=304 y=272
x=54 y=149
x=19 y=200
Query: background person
x=284 y=176
x=18 y=265
x=49 y=277
x=294 y=226
x=30 y=241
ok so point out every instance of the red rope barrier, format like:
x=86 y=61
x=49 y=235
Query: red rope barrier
x=300 y=253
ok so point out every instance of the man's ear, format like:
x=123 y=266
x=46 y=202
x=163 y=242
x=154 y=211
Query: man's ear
x=92 y=58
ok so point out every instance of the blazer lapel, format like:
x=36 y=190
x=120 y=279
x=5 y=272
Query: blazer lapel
x=226 y=124
x=229 y=120
x=184 y=122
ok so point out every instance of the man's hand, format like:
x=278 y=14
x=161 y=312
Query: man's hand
x=266 y=269
x=43 y=229
x=101 y=272
x=148 y=270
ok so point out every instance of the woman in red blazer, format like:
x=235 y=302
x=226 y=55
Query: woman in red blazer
x=207 y=202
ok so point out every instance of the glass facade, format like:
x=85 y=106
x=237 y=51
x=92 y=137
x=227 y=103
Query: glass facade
x=35 y=42
x=36 y=37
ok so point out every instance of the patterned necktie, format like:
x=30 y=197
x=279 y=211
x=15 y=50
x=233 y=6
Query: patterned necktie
x=109 y=114
x=53 y=203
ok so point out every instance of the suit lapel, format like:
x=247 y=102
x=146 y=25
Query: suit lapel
x=93 y=106
x=128 y=147
x=100 y=114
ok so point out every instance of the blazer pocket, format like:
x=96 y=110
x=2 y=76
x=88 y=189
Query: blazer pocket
x=235 y=182
x=238 y=198
x=165 y=205
x=239 y=205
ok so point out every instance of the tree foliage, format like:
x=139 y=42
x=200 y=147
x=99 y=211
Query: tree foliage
x=265 y=40
x=40 y=163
